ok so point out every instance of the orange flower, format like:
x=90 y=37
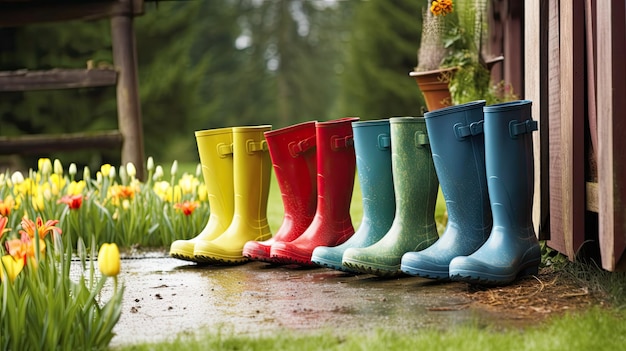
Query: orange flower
x=29 y=227
x=186 y=207
x=72 y=201
x=3 y=226
x=441 y=7
x=6 y=206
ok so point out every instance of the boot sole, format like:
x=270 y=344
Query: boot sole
x=183 y=257
x=331 y=264
x=481 y=278
x=368 y=268
x=220 y=260
x=425 y=274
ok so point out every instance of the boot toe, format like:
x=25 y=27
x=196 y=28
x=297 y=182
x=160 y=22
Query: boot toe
x=329 y=257
x=257 y=251
x=426 y=266
x=291 y=253
x=183 y=250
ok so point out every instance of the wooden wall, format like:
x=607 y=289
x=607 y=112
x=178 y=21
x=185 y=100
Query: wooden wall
x=580 y=106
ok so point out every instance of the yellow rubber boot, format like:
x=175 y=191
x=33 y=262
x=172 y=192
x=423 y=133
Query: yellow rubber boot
x=216 y=157
x=252 y=169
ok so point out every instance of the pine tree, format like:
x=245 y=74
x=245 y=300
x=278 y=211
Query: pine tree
x=384 y=43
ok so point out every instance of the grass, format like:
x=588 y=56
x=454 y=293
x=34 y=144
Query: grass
x=594 y=329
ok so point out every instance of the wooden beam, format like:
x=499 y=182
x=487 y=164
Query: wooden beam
x=128 y=101
x=611 y=123
x=25 y=80
x=20 y=13
x=41 y=143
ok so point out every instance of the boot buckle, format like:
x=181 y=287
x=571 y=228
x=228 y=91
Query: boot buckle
x=339 y=142
x=252 y=146
x=463 y=131
x=224 y=150
x=384 y=141
x=421 y=139
x=516 y=129
x=299 y=147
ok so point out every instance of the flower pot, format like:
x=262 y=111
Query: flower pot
x=434 y=86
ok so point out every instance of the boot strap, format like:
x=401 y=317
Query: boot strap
x=299 y=147
x=421 y=139
x=253 y=146
x=224 y=150
x=341 y=142
x=516 y=129
x=463 y=131
x=384 y=142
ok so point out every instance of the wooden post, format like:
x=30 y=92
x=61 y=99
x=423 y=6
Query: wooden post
x=611 y=125
x=128 y=102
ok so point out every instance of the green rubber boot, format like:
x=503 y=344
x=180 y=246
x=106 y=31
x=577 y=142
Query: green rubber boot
x=216 y=157
x=415 y=187
x=252 y=169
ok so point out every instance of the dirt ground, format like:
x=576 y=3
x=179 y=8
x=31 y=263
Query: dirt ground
x=165 y=297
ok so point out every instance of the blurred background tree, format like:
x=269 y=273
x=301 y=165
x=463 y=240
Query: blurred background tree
x=210 y=64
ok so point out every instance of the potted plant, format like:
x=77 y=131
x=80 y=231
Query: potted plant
x=451 y=65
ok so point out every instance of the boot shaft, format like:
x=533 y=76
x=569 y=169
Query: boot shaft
x=509 y=161
x=252 y=170
x=215 y=150
x=292 y=151
x=458 y=149
x=415 y=181
x=372 y=146
x=336 y=166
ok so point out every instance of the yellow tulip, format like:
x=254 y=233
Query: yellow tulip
x=109 y=259
x=10 y=267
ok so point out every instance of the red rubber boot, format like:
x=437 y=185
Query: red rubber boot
x=292 y=150
x=332 y=224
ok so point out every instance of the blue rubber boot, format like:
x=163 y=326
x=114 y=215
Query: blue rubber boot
x=415 y=188
x=458 y=147
x=512 y=249
x=372 y=146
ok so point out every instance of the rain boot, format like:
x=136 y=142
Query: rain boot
x=372 y=146
x=292 y=150
x=252 y=170
x=458 y=146
x=415 y=187
x=332 y=223
x=512 y=249
x=216 y=157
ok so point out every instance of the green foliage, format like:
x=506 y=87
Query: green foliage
x=384 y=39
x=57 y=307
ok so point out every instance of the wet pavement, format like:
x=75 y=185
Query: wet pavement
x=166 y=297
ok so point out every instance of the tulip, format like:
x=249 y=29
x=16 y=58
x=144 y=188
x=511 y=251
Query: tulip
x=10 y=267
x=109 y=259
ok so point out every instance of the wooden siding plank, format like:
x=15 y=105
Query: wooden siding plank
x=573 y=123
x=532 y=91
x=611 y=124
x=557 y=236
